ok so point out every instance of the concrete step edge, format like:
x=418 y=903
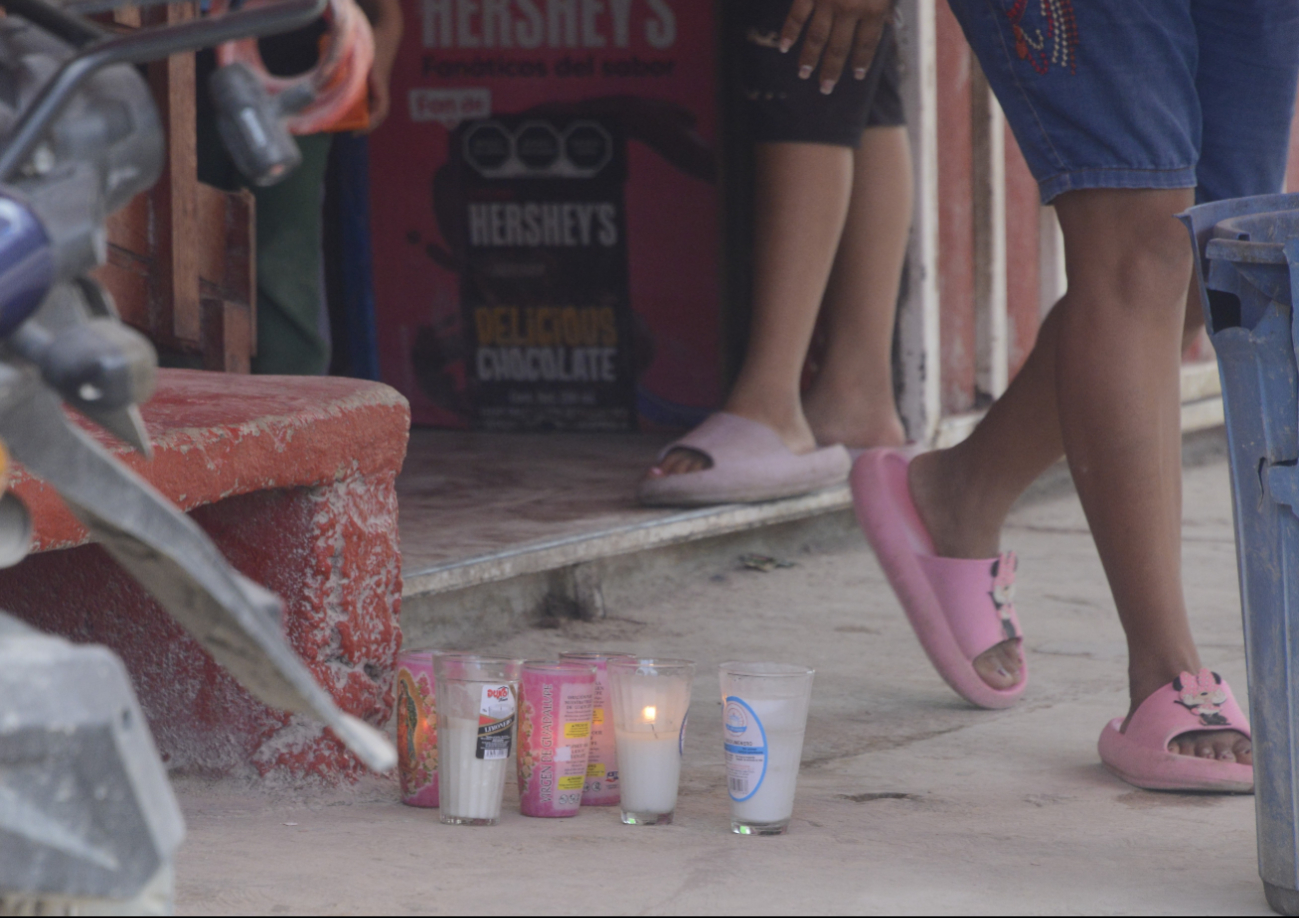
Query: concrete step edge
x=673 y=529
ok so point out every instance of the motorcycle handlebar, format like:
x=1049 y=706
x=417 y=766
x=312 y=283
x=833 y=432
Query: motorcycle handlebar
x=98 y=48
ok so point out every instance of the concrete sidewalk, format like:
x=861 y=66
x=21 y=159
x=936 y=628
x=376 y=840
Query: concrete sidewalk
x=909 y=801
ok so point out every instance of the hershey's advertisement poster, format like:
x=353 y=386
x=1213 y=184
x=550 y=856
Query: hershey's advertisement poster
x=544 y=289
x=546 y=215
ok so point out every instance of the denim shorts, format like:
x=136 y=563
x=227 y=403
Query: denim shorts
x=781 y=108
x=1143 y=93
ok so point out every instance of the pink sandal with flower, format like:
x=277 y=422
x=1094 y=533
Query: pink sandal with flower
x=1199 y=703
x=959 y=608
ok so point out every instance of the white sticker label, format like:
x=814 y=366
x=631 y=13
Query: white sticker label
x=495 y=723
x=746 y=750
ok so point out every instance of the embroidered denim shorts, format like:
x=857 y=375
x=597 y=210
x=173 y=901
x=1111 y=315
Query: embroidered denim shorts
x=1143 y=93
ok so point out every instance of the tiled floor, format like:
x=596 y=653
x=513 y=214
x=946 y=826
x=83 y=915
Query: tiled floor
x=465 y=495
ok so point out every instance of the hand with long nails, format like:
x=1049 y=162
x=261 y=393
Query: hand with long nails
x=836 y=30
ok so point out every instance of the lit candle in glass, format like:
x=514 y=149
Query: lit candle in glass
x=651 y=699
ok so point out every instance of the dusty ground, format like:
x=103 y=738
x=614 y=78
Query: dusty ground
x=909 y=801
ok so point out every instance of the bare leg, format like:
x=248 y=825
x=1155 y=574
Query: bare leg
x=800 y=202
x=1101 y=384
x=851 y=401
x=1194 y=323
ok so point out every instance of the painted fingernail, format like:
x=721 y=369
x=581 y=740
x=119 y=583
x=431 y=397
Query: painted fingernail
x=860 y=73
x=804 y=72
x=785 y=45
x=827 y=87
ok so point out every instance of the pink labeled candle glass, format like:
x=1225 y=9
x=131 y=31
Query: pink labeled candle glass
x=555 y=703
x=601 y=787
x=417 y=730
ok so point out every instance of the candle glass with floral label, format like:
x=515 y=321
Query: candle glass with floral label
x=555 y=703
x=601 y=787
x=417 y=728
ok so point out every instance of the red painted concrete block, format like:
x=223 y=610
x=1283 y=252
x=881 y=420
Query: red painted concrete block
x=294 y=479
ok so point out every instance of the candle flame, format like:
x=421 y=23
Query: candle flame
x=650 y=713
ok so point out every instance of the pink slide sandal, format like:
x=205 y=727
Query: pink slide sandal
x=959 y=608
x=1190 y=703
x=750 y=463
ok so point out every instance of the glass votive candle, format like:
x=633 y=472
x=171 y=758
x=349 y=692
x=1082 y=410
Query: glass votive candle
x=555 y=701
x=764 y=718
x=651 y=700
x=477 y=701
x=417 y=728
x=601 y=787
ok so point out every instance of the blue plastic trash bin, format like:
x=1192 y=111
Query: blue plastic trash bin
x=1247 y=267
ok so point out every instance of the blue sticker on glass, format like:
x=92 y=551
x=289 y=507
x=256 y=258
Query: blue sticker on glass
x=746 y=749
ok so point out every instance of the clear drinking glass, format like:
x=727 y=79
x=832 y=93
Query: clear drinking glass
x=651 y=699
x=477 y=699
x=764 y=719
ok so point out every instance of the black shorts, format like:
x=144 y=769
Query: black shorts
x=781 y=108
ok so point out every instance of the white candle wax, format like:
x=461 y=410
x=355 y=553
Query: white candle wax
x=471 y=788
x=773 y=800
x=649 y=767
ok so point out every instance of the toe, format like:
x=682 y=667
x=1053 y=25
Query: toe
x=683 y=462
x=672 y=464
x=1223 y=746
x=1244 y=750
x=999 y=666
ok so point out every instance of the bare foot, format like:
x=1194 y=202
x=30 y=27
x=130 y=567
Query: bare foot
x=938 y=491
x=1223 y=745
x=793 y=432
x=680 y=461
x=999 y=665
